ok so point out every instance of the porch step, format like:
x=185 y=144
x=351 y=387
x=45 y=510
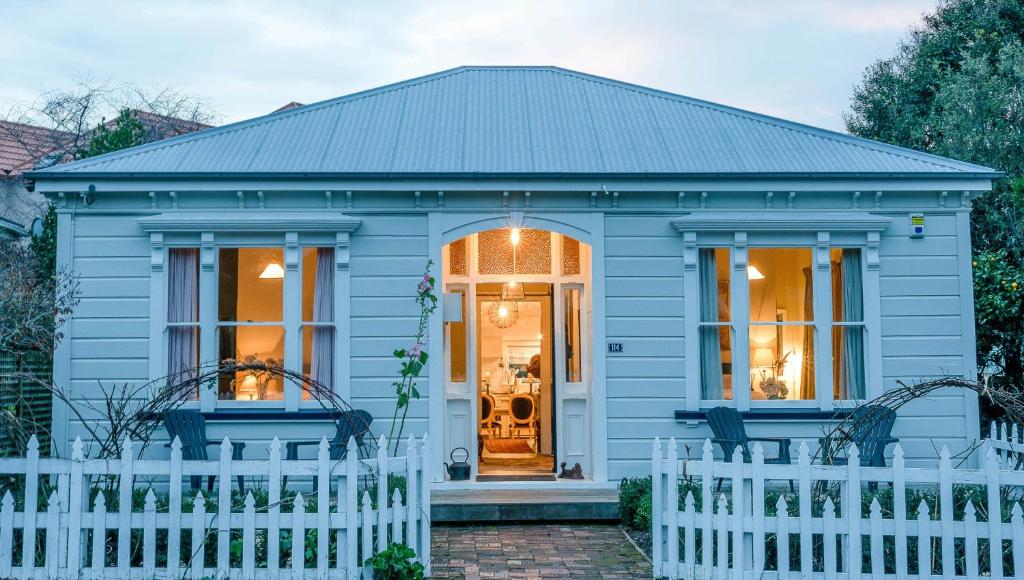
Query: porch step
x=524 y=505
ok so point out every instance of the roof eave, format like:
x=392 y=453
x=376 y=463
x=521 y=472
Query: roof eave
x=79 y=175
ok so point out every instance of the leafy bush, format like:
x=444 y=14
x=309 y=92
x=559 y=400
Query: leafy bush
x=635 y=503
x=396 y=563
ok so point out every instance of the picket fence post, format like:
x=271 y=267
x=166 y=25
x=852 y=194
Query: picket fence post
x=6 y=534
x=877 y=562
x=298 y=536
x=1017 y=525
x=804 y=469
x=425 y=502
x=971 y=540
x=28 y=541
x=149 y=536
x=853 y=554
x=249 y=538
x=382 y=494
x=367 y=539
x=124 y=510
x=274 y=508
x=323 y=505
x=995 y=520
x=924 y=540
x=99 y=535
x=946 y=511
x=411 y=489
x=829 y=538
x=657 y=529
x=672 y=503
x=197 y=559
x=707 y=466
x=351 y=509
x=899 y=502
x=224 y=509
x=782 y=535
x=757 y=507
x=174 y=509
x=53 y=540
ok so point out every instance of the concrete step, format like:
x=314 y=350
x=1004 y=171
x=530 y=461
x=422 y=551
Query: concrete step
x=524 y=505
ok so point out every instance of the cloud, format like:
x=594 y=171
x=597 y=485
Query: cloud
x=796 y=58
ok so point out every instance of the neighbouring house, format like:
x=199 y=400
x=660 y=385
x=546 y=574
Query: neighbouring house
x=24 y=147
x=615 y=260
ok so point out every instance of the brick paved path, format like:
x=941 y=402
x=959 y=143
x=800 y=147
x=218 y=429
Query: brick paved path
x=535 y=551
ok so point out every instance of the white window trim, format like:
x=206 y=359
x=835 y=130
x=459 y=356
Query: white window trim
x=694 y=226
x=201 y=230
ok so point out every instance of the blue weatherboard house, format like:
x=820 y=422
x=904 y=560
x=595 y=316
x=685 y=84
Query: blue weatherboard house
x=614 y=261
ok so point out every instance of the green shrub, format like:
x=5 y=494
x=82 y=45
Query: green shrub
x=635 y=502
x=398 y=562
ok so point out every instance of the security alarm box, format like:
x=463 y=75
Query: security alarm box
x=917 y=225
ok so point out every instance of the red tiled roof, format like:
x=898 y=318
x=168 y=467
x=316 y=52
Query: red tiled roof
x=289 y=106
x=22 y=146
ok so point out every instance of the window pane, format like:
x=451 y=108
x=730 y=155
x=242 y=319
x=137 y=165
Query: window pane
x=848 y=380
x=317 y=284
x=182 y=354
x=182 y=307
x=183 y=285
x=318 y=356
x=716 y=362
x=573 y=349
x=251 y=284
x=780 y=284
x=847 y=286
x=781 y=362
x=457 y=343
x=252 y=343
x=713 y=267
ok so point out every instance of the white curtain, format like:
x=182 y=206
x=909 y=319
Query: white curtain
x=711 y=383
x=322 y=355
x=853 y=339
x=182 y=306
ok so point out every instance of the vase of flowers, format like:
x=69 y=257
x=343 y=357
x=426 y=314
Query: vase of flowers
x=771 y=383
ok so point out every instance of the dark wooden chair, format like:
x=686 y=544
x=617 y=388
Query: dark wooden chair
x=727 y=425
x=349 y=424
x=871 y=430
x=190 y=428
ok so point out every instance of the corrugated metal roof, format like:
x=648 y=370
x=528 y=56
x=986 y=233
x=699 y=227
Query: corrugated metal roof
x=516 y=121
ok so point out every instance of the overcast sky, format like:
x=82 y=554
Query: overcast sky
x=797 y=59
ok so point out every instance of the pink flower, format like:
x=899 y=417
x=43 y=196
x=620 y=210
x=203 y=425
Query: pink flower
x=416 y=348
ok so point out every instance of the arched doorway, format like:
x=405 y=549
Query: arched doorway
x=517 y=351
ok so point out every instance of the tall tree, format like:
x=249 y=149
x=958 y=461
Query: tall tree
x=954 y=88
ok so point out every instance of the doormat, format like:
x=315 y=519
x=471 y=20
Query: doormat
x=507 y=446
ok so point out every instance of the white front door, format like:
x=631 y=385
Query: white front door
x=566 y=415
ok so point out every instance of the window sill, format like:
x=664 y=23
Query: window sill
x=276 y=414
x=767 y=414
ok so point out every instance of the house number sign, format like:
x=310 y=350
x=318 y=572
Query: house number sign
x=614 y=347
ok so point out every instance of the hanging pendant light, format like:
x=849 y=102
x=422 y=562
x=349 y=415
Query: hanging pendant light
x=513 y=290
x=503 y=313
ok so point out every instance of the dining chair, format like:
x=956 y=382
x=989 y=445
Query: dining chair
x=523 y=413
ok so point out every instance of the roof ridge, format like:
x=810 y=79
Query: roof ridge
x=762 y=118
x=257 y=121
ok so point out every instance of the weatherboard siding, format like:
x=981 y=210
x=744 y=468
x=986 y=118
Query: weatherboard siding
x=922 y=325
x=389 y=254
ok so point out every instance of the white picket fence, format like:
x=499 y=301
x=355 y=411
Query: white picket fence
x=1007 y=440
x=68 y=547
x=731 y=534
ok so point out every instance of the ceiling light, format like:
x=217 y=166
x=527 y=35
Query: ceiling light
x=273 y=271
x=753 y=273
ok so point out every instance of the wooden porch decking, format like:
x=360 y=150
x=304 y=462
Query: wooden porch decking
x=527 y=504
